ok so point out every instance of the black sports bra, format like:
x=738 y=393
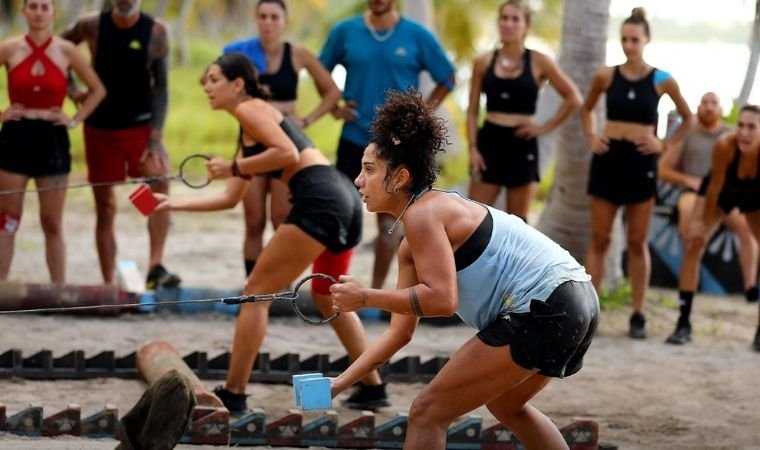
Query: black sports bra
x=511 y=95
x=295 y=134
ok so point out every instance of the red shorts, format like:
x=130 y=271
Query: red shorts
x=333 y=264
x=112 y=155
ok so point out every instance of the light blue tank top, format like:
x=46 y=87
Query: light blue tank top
x=520 y=264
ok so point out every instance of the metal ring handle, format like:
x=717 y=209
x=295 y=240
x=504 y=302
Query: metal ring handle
x=182 y=171
x=295 y=304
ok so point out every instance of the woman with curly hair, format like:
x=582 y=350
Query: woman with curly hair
x=533 y=305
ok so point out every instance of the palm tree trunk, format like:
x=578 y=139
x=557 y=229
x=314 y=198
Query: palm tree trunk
x=754 y=56
x=73 y=10
x=161 y=8
x=181 y=35
x=566 y=218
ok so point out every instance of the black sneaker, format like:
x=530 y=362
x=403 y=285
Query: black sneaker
x=681 y=336
x=235 y=403
x=752 y=294
x=637 y=328
x=158 y=276
x=368 y=397
x=756 y=343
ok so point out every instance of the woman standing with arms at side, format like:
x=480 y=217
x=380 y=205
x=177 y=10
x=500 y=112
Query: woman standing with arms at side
x=279 y=63
x=326 y=216
x=624 y=165
x=504 y=152
x=34 y=142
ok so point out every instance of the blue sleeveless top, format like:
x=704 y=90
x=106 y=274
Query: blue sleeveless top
x=518 y=265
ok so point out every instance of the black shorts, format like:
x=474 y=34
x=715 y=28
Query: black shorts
x=511 y=161
x=35 y=148
x=554 y=335
x=703 y=185
x=349 y=158
x=728 y=199
x=746 y=201
x=327 y=206
x=623 y=175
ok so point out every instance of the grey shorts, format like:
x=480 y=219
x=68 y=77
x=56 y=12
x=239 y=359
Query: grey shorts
x=554 y=335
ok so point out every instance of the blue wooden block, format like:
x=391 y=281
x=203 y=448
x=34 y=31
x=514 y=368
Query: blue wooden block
x=297 y=385
x=315 y=393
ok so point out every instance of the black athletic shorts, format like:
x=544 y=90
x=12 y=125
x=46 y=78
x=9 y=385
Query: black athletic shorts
x=554 y=335
x=349 y=158
x=511 y=161
x=728 y=198
x=35 y=148
x=623 y=175
x=327 y=206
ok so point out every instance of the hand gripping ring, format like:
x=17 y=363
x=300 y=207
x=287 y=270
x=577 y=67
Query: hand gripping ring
x=295 y=304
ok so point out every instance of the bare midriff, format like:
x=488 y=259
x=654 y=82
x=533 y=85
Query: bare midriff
x=39 y=114
x=627 y=131
x=508 y=119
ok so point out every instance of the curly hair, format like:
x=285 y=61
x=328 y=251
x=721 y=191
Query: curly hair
x=407 y=132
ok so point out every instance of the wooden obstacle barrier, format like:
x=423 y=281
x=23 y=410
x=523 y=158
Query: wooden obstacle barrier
x=209 y=423
x=77 y=365
x=15 y=296
x=289 y=430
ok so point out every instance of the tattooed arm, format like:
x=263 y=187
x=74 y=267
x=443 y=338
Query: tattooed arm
x=84 y=30
x=158 y=64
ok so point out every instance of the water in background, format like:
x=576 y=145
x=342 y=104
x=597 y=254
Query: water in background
x=698 y=68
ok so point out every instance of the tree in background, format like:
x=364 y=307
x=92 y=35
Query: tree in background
x=566 y=218
x=754 y=56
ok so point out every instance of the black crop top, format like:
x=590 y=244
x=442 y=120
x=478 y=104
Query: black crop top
x=282 y=84
x=735 y=185
x=295 y=134
x=632 y=101
x=511 y=95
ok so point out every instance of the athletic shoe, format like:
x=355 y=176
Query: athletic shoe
x=681 y=336
x=756 y=343
x=752 y=294
x=235 y=403
x=158 y=276
x=368 y=397
x=637 y=328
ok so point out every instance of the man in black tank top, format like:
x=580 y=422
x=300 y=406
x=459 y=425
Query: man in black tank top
x=123 y=136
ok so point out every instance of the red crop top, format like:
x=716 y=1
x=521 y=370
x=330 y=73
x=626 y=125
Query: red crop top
x=44 y=90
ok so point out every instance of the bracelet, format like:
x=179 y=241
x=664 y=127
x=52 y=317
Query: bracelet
x=235 y=169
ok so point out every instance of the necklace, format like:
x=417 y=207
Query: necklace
x=412 y=199
x=377 y=36
x=508 y=65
